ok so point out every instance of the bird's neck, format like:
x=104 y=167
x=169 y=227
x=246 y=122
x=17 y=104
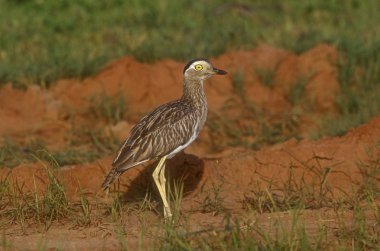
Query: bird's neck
x=193 y=92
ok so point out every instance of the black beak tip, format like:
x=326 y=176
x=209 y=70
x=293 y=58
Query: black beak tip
x=219 y=71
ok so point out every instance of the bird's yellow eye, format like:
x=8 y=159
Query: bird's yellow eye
x=198 y=67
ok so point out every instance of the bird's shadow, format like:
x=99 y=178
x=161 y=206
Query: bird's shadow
x=185 y=168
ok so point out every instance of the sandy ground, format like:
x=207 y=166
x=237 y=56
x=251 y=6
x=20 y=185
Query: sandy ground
x=233 y=174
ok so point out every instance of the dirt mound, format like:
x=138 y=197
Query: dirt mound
x=262 y=86
x=270 y=95
x=238 y=169
x=324 y=170
x=261 y=78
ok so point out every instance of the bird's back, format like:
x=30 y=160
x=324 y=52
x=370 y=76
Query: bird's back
x=159 y=133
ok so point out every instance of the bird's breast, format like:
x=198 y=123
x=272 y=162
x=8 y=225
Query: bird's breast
x=202 y=116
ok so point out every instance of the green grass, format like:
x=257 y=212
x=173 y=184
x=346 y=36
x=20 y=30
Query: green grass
x=111 y=109
x=85 y=145
x=22 y=208
x=44 y=40
x=213 y=202
x=236 y=232
x=359 y=77
x=263 y=128
x=294 y=192
x=238 y=85
x=292 y=197
x=41 y=41
x=297 y=90
x=13 y=154
x=266 y=76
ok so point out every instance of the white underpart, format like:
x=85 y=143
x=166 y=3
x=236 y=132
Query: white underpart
x=180 y=148
x=135 y=164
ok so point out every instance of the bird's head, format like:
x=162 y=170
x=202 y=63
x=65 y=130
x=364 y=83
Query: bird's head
x=200 y=69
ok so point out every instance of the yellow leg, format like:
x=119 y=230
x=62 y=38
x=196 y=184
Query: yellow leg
x=163 y=179
x=161 y=187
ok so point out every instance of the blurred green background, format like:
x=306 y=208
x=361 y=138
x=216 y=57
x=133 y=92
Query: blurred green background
x=43 y=40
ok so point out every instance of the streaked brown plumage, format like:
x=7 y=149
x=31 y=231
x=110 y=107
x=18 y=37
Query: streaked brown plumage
x=169 y=128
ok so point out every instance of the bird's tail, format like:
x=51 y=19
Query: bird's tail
x=112 y=175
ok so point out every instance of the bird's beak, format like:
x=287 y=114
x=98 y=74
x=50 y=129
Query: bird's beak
x=219 y=71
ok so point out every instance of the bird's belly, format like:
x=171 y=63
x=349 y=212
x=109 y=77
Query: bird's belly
x=180 y=148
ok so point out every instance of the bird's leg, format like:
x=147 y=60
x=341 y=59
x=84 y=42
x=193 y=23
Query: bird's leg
x=163 y=180
x=163 y=185
x=156 y=178
x=158 y=182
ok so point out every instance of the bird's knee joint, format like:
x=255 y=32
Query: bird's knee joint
x=155 y=175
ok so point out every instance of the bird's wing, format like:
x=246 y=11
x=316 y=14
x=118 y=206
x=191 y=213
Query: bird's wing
x=157 y=134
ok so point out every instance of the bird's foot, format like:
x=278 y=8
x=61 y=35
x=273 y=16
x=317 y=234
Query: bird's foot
x=168 y=214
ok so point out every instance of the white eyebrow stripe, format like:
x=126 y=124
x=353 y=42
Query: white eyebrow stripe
x=197 y=62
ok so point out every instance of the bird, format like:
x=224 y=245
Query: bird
x=167 y=130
